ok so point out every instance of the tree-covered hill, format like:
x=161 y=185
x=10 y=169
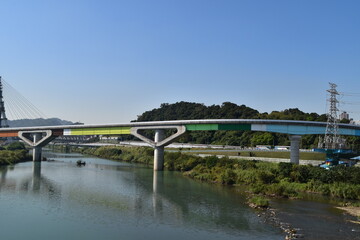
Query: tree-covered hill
x=228 y=110
x=189 y=110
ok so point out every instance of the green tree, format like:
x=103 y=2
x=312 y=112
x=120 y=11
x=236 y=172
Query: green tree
x=262 y=139
x=15 y=146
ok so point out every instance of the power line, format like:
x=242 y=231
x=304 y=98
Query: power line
x=350 y=103
x=349 y=94
x=349 y=100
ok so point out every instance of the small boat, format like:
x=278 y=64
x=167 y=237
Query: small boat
x=80 y=163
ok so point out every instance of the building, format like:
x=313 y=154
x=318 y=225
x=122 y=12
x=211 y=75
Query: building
x=344 y=115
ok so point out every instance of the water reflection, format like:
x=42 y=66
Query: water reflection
x=137 y=193
x=158 y=179
x=109 y=200
x=36 y=179
x=3 y=172
x=175 y=198
x=17 y=178
x=167 y=197
x=118 y=198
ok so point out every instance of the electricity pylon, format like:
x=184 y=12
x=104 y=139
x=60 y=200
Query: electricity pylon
x=331 y=140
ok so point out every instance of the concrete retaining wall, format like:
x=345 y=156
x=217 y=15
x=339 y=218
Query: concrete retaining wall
x=276 y=160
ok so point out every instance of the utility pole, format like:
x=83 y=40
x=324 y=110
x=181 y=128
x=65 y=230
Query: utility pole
x=3 y=119
x=331 y=140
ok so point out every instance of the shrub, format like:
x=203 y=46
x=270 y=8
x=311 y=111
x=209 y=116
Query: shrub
x=189 y=163
x=285 y=169
x=275 y=190
x=281 y=190
x=265 y=177
x=339 y=173
x=344 y=190
x=245 y=176
x=245 y=164
x=211 y=161
x=354 y=175
x=228 y=177
x=259 y=201
x=15 y=146
x=11 y=157
x=300 y=173
x=258 y=188
x=320 y=174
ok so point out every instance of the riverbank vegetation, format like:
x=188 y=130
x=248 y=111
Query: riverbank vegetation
x=263 y=179
x=270 y=179
x=13 y=153
x=128 y=154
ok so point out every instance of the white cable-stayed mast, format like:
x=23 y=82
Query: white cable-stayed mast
x=3 y=119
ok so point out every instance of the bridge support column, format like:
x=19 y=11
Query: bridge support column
x=159 y=151
x=159 y=141
x=37 y=150
x=295 y=148
x=37 y=140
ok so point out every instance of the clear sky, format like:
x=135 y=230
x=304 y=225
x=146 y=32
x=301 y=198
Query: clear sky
x=107 y=61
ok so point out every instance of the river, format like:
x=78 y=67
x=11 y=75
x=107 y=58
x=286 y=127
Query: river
x=114 y=200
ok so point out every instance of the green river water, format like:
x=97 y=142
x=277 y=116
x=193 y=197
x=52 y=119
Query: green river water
x=114 y=200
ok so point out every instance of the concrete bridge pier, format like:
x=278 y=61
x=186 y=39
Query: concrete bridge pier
x=159 y=142
x=37 y=140
x=295 y=148
x=37 y=150
x=159 y=150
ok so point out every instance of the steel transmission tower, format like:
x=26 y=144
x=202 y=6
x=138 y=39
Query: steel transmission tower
x=331 y=140
x=3 y=119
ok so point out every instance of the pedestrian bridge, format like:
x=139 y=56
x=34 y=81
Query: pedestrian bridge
x=37 y=137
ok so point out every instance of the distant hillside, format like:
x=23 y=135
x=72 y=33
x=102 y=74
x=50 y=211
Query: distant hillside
x=38 y=122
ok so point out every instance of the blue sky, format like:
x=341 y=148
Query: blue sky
x=108 y=61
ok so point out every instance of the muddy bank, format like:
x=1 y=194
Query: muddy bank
x=354 y=211
x=315 y=219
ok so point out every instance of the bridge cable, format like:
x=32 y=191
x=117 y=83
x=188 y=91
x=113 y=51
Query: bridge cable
x=22 y=104
x=20 y=111
x=17 y=105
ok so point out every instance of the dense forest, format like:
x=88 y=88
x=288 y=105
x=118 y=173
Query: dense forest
x=228 y=110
